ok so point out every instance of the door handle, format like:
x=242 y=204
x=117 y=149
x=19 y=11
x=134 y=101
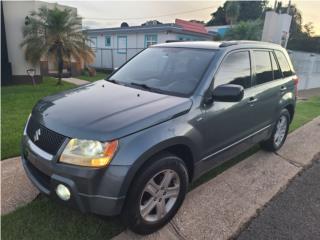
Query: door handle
x=252 y=100
x=283 y=88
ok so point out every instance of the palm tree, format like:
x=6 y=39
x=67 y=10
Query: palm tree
x=232 y=11
x=57 y=34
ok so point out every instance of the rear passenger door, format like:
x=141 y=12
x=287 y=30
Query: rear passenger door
x=267 y=87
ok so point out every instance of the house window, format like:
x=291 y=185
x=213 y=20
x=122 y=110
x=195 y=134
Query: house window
x=150 y=40
x=107 y=41
x=122 y=44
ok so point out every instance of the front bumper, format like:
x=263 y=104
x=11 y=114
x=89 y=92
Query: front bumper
x=92 y=190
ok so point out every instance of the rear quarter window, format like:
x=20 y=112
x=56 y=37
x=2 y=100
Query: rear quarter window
x=276 y=70
x=284 y=64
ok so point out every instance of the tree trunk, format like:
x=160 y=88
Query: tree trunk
x=60 y=64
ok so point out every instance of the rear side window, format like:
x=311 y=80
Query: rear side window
x=284 y=65
x=235 y=69
x=276 y=70
x=263 y=67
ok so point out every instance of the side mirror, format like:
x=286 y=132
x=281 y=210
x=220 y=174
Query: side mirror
x=228 y=93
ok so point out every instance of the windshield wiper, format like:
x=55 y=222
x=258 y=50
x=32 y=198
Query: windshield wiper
x=112 y=81
x=142 y=85
x=146 y=87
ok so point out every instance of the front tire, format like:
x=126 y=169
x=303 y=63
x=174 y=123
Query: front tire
x=156 y=194
x=279 y=133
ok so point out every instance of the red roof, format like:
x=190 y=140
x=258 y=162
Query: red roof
x=191 y=26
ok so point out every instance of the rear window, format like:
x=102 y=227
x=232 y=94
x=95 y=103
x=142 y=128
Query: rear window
x=284 y=65
x=263 y=67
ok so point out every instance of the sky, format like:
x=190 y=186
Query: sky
x=100 y=14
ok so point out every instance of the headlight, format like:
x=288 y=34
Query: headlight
x=89 y=153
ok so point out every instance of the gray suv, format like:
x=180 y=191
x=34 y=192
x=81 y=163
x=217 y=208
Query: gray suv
x=130 y=145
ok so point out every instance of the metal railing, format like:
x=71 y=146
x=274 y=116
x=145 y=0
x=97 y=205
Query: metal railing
x=111 y=58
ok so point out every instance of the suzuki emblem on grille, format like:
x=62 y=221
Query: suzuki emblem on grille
x=36 y=135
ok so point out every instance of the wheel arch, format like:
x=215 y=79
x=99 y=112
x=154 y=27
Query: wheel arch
x=291 y=109
x=180 y=146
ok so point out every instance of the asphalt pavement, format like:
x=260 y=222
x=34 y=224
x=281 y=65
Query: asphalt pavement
x=293 y=214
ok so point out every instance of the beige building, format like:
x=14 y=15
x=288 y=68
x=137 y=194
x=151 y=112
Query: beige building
x=15 y=13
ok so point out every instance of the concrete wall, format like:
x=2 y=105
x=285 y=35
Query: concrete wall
x=14 y=17
x=307 y=66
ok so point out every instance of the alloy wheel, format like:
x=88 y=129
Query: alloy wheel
x=281 y=130
x=159 y=195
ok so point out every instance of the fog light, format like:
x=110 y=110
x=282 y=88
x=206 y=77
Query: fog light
x=63 y=192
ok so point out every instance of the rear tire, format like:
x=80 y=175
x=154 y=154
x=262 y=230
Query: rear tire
x=156 y=194
x=279 y=133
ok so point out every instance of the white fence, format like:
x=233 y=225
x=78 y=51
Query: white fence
x=307 y=66
x=110 y=58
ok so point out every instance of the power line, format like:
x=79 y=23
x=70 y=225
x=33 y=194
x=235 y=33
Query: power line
x=159 y=16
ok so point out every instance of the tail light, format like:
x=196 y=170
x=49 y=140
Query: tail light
x=295 y=80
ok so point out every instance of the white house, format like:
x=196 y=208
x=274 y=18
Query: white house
x=114 y=46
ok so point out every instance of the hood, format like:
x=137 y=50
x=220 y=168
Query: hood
x=105 y=111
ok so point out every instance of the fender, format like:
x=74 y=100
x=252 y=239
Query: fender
x=151 y=142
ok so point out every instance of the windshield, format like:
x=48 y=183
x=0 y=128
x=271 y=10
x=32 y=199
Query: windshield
x=174 y=71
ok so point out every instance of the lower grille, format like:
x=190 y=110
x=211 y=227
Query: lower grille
x=42 y=178
x=44 y=138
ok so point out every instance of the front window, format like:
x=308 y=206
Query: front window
x=175 y=71
x=235 y=69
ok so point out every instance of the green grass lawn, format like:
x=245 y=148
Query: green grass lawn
x=45 y=219
x=98 y=76
x=305 y=111
x=16 y=104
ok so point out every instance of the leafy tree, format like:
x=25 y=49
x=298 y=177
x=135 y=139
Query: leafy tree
x=309 y=29
x=245 y=30
x=218 y=17
x=55 y=34
x=232 y=12
x=296 y=23
x=248 y=10
x=252 y=10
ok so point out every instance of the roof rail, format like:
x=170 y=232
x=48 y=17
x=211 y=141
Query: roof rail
x=228 y=43
x=172 y=41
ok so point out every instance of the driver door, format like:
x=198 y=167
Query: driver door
x=226 y=123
